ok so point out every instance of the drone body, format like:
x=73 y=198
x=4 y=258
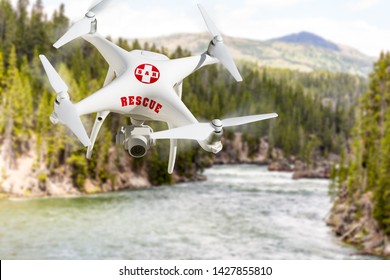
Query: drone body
x=144 y=86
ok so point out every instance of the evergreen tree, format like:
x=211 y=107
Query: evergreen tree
x=369 y=167
x=2 y=98
x=22 y=27
x=37 y=37
x=1 y=69
x=7 y=27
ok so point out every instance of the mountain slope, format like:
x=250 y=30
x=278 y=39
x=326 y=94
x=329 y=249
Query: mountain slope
x=308 y=39
x=278 y=53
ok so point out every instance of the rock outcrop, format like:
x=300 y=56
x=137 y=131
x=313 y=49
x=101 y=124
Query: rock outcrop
x=237 y=151
x=358 y=227
x=320 y=170
x=26 y=177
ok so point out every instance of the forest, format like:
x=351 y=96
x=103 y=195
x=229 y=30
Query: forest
x=361 y=213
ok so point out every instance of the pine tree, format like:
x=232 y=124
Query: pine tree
x=382 y=194
x=37 y=37
x=1 y=69
x=22 y=27
x=2 y=98
x=7 y=27
x=43 y=126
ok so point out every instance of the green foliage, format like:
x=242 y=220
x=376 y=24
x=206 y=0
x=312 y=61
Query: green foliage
x=79 y=170
x=369 y=165
x=157 y=169
x=2 y=97
x=1 y=69
x=382 y=194
x=302 y=111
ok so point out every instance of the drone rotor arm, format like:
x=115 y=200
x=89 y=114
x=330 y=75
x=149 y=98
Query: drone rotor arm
x=100 y=117
x=114 y=55
x=187 y=65
x=172 y=152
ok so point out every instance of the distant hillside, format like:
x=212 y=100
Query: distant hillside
x=304 y=51
x=309 y=39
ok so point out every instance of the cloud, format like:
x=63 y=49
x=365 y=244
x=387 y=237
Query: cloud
x=125 y=21
x=251 y=8
x=364 y=4
x=273 y=3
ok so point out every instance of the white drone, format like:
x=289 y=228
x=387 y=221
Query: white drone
x=144 y=86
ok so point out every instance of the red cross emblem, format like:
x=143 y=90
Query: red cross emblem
x=147 y=73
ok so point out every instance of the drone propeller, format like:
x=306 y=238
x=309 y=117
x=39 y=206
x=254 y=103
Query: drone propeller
x=66 y=111
x=200 y=131
x=84 y=26
x=217 y=48
x=55 y=80
x=98 y=5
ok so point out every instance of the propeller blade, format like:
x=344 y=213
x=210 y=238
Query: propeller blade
x=198 y=131
x=222 y=53
x=68 y=114
x=66 y=111
x=80 y=28
x=98 y=5
x=55 y=80
x=210 y=24
x=247 y=119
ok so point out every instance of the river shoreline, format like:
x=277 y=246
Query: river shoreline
x=135 y=183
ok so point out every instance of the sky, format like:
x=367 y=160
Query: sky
x=361 y=24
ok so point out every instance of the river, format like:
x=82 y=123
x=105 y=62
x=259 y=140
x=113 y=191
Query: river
x=240 y=212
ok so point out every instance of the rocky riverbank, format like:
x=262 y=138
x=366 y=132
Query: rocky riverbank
x=24 y=176
x=321 y=170
x=236 y=151
x=358 y=227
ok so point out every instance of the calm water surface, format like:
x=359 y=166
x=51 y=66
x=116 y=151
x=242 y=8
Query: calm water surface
x=240 y=212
